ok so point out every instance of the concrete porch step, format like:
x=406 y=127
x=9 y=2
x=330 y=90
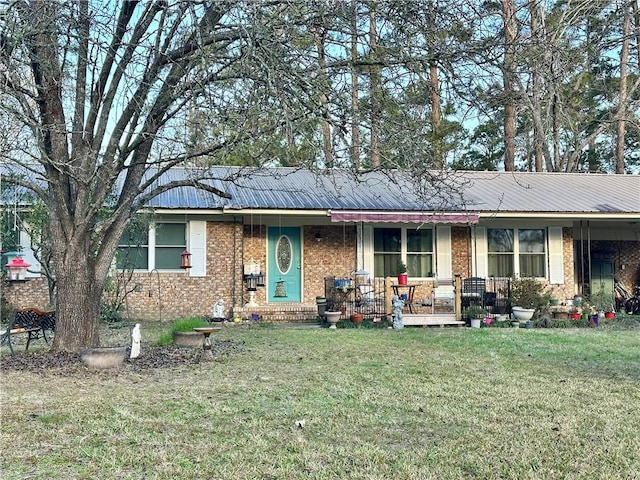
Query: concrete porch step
x=281 y=312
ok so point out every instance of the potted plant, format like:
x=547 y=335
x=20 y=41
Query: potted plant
x=403 y=276
x=183 y=333
x=574 y=313
x=559 y=311
x=526 y=296
x=602 y=302
x=475 y=313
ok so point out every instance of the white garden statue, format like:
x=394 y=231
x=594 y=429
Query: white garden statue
x=398 y=305
x=218 y=310
x=135 y=341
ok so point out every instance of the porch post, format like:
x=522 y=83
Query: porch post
x=387 y=296
x=458 y=299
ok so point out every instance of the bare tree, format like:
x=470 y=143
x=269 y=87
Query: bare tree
x=100 y=94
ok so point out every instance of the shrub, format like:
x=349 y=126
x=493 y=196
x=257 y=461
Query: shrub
x=602 y=301
x=528 y=293
x=111 y=312
x=366 y=323
x=475 y=311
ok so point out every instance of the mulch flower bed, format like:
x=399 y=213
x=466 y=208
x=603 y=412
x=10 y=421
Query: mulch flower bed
x=152 y=357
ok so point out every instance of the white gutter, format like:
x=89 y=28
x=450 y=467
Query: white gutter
x=564 y=216
x=238 y=211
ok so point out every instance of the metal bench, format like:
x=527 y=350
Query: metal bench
x=32 y=321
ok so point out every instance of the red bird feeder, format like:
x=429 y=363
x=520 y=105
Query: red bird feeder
x=186 y=259
x=17 y=269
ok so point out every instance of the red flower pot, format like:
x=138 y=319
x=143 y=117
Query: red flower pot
x=403 y=278
x=575 y=316
x=609 y=315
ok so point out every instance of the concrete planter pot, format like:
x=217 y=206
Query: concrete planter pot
x=103 y=357
x=187 y=339
x=523 y=314
x=332 y=318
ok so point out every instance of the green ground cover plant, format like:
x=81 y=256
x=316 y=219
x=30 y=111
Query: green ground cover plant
x=314 y=403
x=181 y=325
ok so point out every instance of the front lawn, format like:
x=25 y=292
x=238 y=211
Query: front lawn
x=490 y=403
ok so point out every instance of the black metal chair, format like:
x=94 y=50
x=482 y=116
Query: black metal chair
x=473 y=290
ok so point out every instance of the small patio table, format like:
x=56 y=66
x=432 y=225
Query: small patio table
x=411 y=290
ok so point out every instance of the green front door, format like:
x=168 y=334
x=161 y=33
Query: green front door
x=284 y=270
x=602 y=276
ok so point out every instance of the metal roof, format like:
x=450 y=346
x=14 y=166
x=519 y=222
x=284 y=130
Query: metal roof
x=488 y=193
x=493 y=192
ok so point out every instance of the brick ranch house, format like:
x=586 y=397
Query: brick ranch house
x=573 y=232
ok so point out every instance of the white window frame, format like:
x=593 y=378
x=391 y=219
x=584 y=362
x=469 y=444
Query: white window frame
x=516 y=248
x=403 y=247
x=151 y=247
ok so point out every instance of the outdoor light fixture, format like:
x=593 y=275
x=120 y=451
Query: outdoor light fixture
x=318 y=237
x=17 y=269
x=186 y=260
x=252 y=282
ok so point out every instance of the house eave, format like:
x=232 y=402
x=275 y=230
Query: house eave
x=562 y=215
x=242 y=211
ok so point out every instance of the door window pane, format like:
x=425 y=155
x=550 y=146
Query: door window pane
x=284 y=254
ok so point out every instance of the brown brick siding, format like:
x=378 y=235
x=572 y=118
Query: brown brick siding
x=31 y=293
x=569 y=289
x=168 y=296
x=461 y=245
x=621 y=253
x=335 y=255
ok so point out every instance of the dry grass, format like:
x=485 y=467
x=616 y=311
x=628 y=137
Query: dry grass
x=376 y=404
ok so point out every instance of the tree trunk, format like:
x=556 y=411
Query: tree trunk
x=77 y=302
x=509 y=18
x=535 y=77
x=375 y=93
x=327 y=144
x=355 y=105
x=436 y=116
x=622 y=113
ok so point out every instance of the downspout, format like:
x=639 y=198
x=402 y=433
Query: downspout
x=589 y=252
x=435 y=253
x=234 y=274
x=474 y=251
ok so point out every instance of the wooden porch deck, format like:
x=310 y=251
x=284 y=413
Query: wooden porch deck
x=297 y=313
x=431 y=320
